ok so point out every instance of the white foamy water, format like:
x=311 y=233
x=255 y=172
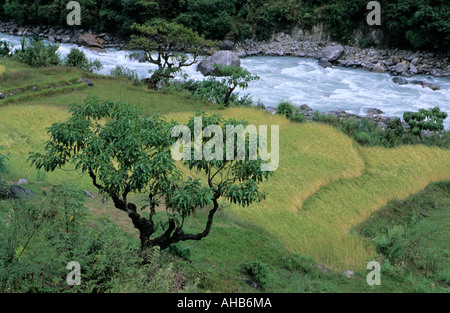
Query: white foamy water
x=303 y=81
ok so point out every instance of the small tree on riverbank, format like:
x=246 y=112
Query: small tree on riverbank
x=166 y=45
x=425 y=120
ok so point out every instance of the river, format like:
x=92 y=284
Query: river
x=303 y=81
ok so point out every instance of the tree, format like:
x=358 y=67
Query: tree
x=221 y=91
x=431 y=120
x=77 y=58
x=170 y=42
x=125 y=151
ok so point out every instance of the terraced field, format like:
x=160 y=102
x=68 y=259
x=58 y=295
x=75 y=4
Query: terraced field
x=325 y=183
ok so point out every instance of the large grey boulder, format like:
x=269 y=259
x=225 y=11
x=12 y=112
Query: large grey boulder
x=332 y=53
x=401 y=67
x=412 y=69
x=324 y=63
x=378 y=68
x=17 y=192
x=400 y=80
x=224 y=58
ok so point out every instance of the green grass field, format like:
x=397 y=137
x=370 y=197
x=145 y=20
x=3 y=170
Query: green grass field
x=325 y=185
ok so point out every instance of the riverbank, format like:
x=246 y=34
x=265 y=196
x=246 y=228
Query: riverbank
x=394 y=61
x=62 y=35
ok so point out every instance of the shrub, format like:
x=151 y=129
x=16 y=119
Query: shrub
x=122 y=72
x=180 y=251
x=221 y=91
x=260 y=272
x=285 y=108
x=37 y=53
x=366 y=42
x=5 y=49
x=425 y=120
x=77 y=58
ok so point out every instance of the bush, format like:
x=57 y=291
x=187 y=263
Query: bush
x=5 y=49
x=285 y=108
x=425 y=120
x=77 y=58
x=122 y=72
x=366 y=42
x=221 y=91
x=260 y=272
x=37 y=53
x=180 y=251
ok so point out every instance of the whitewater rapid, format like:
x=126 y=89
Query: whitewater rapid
x=303 y=81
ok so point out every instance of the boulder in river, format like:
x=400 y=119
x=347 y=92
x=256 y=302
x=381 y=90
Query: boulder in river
x=224 y=58
x=400 y=80
x=325 y=63
x=91 y=41
x=433 y=87
x=373 y=111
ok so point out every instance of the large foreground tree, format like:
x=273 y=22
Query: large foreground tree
x=125 y=151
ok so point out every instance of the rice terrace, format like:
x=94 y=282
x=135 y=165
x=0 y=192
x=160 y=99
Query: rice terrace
x=93 y=200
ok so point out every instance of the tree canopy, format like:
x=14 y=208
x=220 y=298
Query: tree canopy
x=125 y=151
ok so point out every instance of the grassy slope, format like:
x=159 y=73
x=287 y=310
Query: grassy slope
x=342 y=184
x=325 y=184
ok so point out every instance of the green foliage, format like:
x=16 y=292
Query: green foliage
x=411 y=24
x=286 y=108
x=258 y=271
x=342 y=17
x=180 y=251
x=222 y=91
x=413 y=233
x=417 y=24
x=125 y=73
x=3 y=159
x=366 y=42
x=425 y=120
x=77 y=58
x=37 y=53
x=368 y=133
x=132 y=152
x=5 y=49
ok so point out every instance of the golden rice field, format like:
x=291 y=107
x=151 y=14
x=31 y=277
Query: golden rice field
x=325 y=183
